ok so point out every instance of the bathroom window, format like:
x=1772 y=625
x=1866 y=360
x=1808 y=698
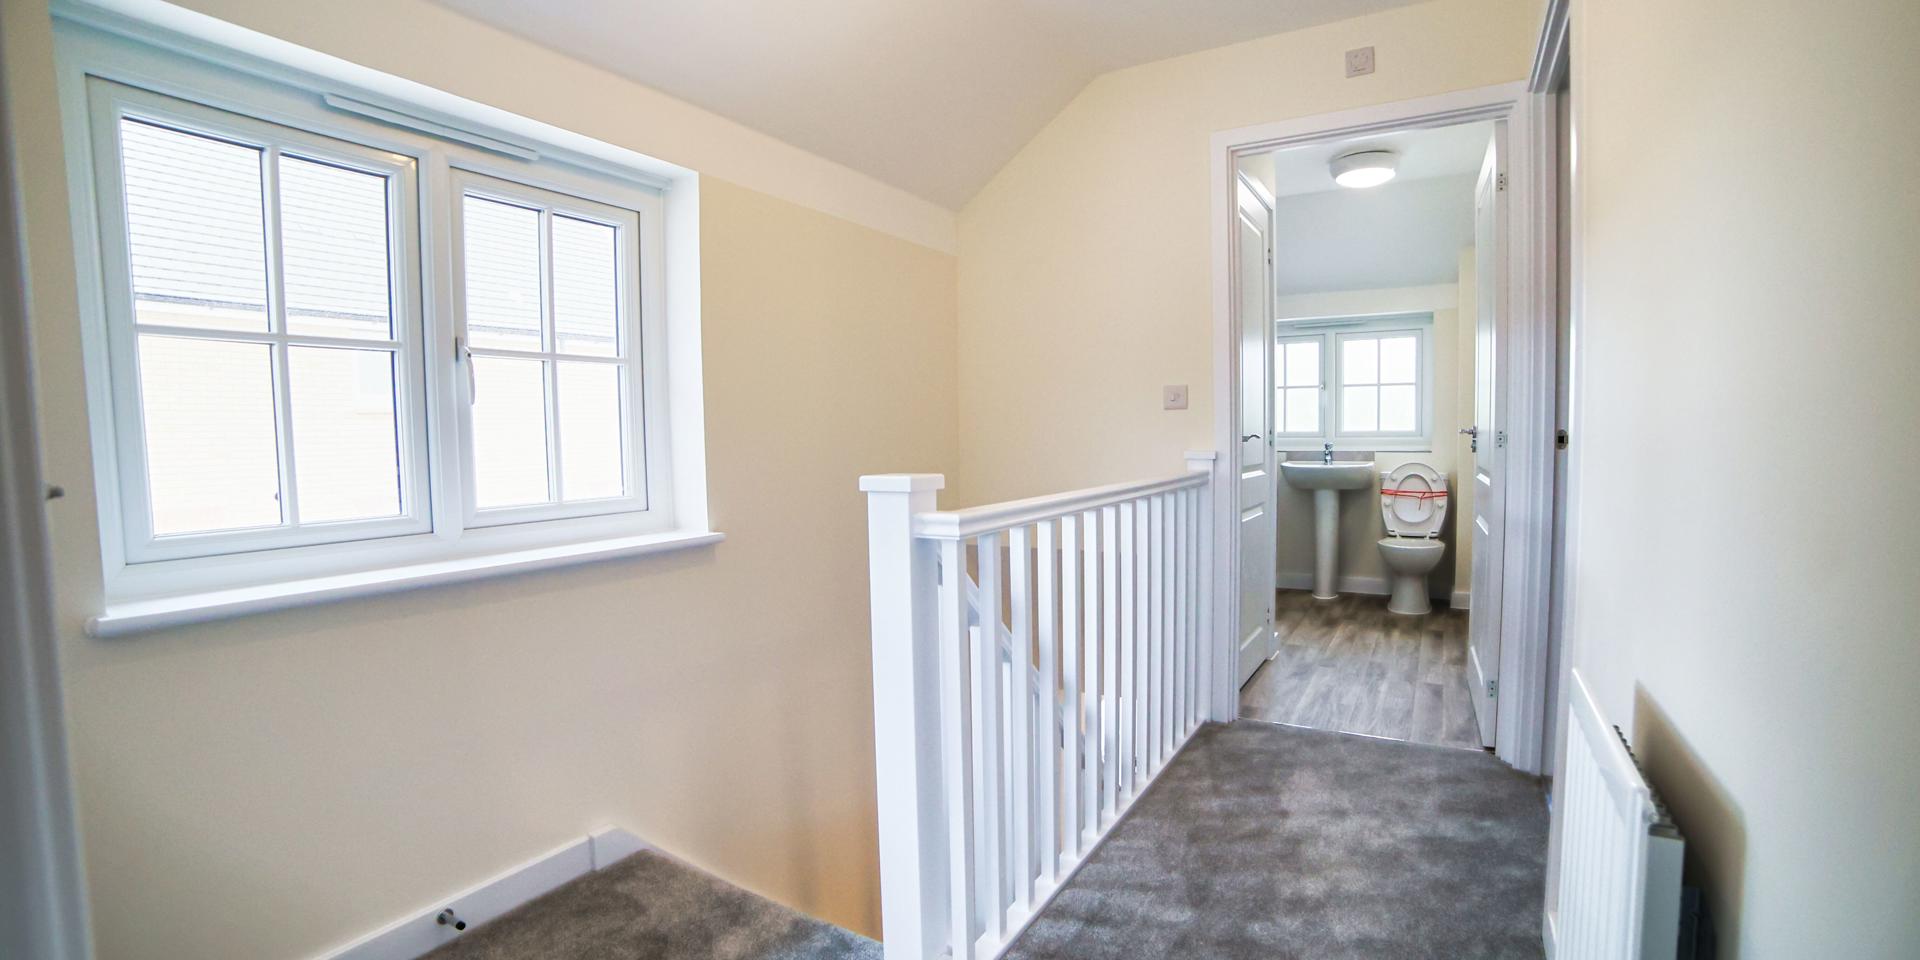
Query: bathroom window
x=1359 y=383
x=1299 y=386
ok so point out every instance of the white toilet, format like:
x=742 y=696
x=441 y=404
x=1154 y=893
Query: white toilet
x=1413 y=502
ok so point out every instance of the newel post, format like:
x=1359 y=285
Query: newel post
x=903 y=577
x=1215 y=649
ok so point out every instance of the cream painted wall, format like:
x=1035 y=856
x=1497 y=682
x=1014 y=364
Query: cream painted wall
x=1361 y=526
x=272 y=786
x=1084 y=279
x=1746 y=242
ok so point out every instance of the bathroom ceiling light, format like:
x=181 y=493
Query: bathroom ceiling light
x=1367 y=168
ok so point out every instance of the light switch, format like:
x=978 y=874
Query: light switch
x=1174 y=397
x=1360 y=62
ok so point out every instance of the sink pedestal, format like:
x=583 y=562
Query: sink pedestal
x=1326 y=479
x=1326 y=543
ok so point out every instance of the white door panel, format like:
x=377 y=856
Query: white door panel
x=1253 y=303
x=1489 y=486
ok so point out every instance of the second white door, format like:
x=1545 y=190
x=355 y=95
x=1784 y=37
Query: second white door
x=1489 y=442
x=1253 y=463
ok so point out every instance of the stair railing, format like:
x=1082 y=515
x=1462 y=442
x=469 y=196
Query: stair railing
x=995 y=785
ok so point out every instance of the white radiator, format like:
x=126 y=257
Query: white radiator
x=1619 y=892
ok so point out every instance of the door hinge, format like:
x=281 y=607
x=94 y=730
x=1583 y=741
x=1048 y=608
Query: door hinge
x=1560 y=439
x=1500 y=181
x=1493 y=689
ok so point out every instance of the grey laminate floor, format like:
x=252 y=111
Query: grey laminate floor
x=1351 y=666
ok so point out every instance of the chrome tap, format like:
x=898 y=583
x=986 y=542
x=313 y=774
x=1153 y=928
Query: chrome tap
x=1326 y=456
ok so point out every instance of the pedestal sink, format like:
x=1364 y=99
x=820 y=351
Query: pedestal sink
x=1326 y=480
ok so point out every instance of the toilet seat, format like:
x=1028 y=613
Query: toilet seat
x=1413 y=500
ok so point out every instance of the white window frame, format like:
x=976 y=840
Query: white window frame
x=441 y=539
x=111 y=103
x=1282 y=436
x=1332 y=332
x=640 y=346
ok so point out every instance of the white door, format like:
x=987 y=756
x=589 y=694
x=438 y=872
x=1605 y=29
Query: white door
x=1489 y=442
x=1253 y=299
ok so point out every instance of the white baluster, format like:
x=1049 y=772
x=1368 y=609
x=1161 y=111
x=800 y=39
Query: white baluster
x=1156 y=632
x=1070 y=684
x=1186 y=613
x=1165 y=733
x=1046 y=805
x=1109 y=661
x=1090 y=683
x=1142 y=640
x=1126 y=702
x=1197 y=590
x=1177 y=504
x=956 y=709
x=1021 y=738
x=988 y=795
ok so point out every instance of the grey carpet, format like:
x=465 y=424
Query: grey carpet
x=1262 y=841
x=649 y=906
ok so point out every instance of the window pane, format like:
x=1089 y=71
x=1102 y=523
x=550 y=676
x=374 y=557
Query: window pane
x=509 y=432
x=1302 y=410
x=1303 y=364
x=1397 y=414
x=1397 y=360
x=212 y=459
x=333 y=251
x=585 y=287
x=590 y=460
x=346 y=446
x=1361 y=359
x=195 y=229
x=502 y=250
x=1358 y=413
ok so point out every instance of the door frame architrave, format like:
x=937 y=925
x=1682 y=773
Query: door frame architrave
x=1526 y=365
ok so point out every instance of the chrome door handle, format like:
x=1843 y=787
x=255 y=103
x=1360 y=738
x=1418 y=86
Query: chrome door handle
x=1470 y=431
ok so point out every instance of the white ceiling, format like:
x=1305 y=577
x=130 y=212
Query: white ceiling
x=1433 y=152
x=1404 y=234
x=932 y=96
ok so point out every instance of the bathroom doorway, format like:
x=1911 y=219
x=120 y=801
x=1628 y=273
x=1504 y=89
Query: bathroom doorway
x=1378 y=246
x=1395 y=283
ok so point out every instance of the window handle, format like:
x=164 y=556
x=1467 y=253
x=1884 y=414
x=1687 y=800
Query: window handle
x=464 y=353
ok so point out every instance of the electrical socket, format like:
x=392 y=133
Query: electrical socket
x=1360 y=62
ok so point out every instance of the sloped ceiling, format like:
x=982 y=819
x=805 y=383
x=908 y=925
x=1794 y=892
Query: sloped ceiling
x=932 y=96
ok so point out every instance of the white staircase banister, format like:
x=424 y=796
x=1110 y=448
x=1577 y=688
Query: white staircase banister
x=1008 y=742
x=973 y=521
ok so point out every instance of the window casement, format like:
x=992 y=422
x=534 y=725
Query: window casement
x=325 y=352
x=263 y=327
x=1360 y=383
x=544 y=296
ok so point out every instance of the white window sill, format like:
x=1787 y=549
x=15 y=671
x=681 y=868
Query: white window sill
x=140 y=616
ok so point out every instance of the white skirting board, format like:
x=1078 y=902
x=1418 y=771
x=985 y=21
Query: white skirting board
x=421 y=931
x=1462 y=599
x=1370 y=586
